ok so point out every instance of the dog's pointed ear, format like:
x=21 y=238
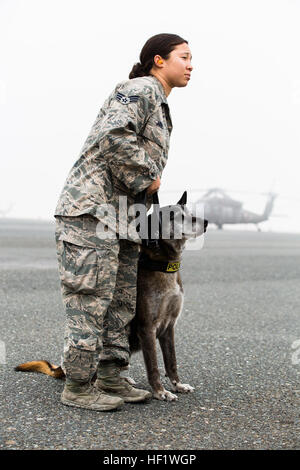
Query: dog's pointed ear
x=183 y=199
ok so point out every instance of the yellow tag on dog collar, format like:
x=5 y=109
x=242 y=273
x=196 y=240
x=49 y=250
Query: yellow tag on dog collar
x=173 y=266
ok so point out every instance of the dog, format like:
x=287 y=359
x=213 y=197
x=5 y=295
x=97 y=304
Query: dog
x=159 y=299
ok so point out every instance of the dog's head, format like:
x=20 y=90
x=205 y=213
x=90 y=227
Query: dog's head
x=177 y=225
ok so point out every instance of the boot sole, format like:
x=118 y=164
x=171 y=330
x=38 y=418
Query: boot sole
x=91 y=407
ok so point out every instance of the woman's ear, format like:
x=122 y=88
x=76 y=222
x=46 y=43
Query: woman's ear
x=158 y=60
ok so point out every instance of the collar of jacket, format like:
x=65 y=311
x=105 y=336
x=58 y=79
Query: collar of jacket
x=162 y=266
x=161 y=89
x=162 y=99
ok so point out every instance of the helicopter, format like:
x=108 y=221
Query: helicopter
x=220 y=209
x=4 y=212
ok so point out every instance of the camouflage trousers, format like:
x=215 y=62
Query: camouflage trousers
x=98 y=284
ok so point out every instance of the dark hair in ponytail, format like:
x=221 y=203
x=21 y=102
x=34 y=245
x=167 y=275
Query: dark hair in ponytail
x=161 y=44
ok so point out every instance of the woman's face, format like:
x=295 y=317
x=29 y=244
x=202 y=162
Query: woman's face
x=176 y=70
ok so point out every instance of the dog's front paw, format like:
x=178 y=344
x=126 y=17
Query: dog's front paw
x=182 y=388
x=165 y=395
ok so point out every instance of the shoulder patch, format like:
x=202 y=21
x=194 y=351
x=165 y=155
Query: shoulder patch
x=126 y=99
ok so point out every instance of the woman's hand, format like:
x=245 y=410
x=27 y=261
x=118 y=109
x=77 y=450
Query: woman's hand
x=153 y=186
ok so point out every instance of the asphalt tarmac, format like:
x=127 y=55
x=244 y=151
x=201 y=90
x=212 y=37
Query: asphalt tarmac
x=238 y=344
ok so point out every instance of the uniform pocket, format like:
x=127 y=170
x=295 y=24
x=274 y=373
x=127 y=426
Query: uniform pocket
x=155 y=135
x=155 y=131
x=79 y=268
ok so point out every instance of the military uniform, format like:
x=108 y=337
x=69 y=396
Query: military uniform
x=124 y=153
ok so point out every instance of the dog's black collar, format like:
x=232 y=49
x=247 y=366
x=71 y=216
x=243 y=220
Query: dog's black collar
x=162 y=266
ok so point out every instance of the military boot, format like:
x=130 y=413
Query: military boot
x=109 y=380
x=85 y=395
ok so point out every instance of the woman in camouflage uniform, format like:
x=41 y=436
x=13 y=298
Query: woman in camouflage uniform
x=124 y=154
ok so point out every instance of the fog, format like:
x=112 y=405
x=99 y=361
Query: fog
x=236 y=124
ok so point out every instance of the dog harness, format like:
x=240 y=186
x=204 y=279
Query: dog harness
x=162 y=266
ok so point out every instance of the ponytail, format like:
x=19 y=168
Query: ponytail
x=137 y=71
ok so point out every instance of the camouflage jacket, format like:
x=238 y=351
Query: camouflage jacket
x=124 y=153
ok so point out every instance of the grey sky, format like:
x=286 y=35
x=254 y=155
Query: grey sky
x=236 y=124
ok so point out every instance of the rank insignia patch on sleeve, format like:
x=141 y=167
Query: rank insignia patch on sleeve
x=126 y=99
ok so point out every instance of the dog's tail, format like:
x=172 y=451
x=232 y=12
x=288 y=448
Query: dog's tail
x=44 y=367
